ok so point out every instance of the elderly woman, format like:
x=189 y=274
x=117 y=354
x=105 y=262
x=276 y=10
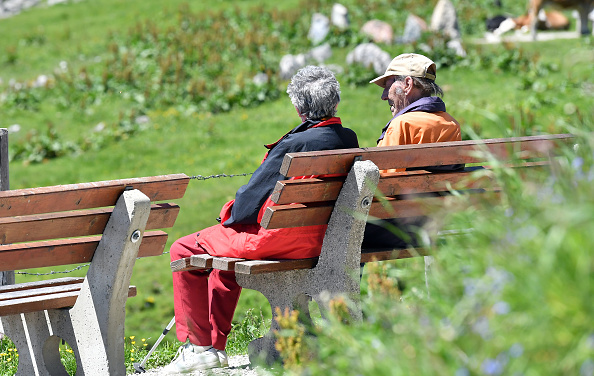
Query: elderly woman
x=204 y=304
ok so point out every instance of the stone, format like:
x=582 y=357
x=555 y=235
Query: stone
x=290 y=64
x=414 y=27
x=335 y=68
x=321 y=53
x=340 y=16
x=445 y=20
x=319 y=29
x=369 y=55
x=260 y=79
x=456 y=45
x=379 y=31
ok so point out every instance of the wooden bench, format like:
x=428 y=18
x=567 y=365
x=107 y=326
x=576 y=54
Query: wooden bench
x=345 y=203
x=103 y=223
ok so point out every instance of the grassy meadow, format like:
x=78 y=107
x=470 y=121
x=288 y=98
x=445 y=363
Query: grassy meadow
x=187 y=68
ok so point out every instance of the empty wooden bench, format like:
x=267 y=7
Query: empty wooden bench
x=345 y=203
x=107 y=224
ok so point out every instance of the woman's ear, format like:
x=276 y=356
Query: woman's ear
x=302 y=117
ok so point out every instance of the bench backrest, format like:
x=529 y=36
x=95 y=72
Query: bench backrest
x=304 y=202
x=62 y=225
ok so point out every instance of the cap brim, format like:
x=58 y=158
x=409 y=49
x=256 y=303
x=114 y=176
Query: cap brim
x=381 y=80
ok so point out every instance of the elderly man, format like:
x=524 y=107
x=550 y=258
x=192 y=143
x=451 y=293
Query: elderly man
x=204 y=304
x=419 y=117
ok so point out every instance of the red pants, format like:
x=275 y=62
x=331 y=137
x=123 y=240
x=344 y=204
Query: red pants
x=204 y=303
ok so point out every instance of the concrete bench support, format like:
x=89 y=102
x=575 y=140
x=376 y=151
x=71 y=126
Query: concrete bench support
x=94 y=327
x=337 y=271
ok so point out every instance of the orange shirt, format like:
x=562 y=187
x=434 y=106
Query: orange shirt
x=421 y=128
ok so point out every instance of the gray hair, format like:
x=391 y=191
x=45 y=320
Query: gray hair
x=428 y=87
x=315 y=92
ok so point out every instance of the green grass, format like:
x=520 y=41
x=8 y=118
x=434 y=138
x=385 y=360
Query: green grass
x=498 y=91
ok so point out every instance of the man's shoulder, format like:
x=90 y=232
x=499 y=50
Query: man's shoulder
x=422 y=117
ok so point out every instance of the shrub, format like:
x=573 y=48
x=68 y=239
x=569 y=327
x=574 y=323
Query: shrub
x=511 y=297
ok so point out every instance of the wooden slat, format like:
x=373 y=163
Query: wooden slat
x=411 y=156
x=76 y=223
x=88 y=195
x=40 y=284
x=192 y=263
x=271 y=266
x=68 y=251
x=423 y=182
x=40 y=299
x=392 y=254
x=40 y=291
x=181 y=265
x=268 y=266
x=307 y=190
x=394 y=208
x=390 y=184
x=296 y=215
x=225 y=263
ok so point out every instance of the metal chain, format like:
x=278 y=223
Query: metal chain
x=54 y=272
x=200 y=177
x=67 y=271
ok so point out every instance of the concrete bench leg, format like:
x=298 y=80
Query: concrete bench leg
x=338 y=270
x=94 y=327
x=31 y=359
x=283 y=290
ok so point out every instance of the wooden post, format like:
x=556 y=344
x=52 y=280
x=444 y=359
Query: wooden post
x=6 y=278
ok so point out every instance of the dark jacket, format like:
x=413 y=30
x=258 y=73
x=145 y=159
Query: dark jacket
x=312 y=135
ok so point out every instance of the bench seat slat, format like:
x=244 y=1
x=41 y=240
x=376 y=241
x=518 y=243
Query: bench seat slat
x=225 y=263
x=191 y=263
x=60 y=296
x=42 y=291
x=243 y=266
x=76 y=223
x=88 y=195
x=68 y=251
x=419 y=155
x=40 y=284
x=267 y=266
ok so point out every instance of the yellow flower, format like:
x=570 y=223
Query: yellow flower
x=134 y=342
x=132 y=350
x=144 y=339
x=131 y=359
x=145 y=344
x=132 y=337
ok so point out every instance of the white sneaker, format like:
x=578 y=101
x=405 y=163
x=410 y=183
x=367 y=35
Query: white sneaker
x=187 y=359
x=212 y=358
x=223 y=359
